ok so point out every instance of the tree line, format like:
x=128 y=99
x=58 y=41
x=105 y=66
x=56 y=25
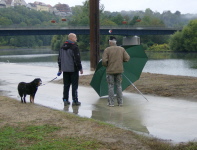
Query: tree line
x=21 y=16
x=24 y=17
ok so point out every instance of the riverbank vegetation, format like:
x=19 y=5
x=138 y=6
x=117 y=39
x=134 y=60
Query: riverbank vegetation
x=160 y=47
x=25 y=17
x=185 y=40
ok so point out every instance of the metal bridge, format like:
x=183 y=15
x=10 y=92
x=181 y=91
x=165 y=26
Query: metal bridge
x=85 y=30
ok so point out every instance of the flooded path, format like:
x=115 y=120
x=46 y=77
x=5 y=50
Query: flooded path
x=165 y=118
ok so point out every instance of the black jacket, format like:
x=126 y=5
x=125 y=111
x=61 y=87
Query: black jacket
x=69 y=59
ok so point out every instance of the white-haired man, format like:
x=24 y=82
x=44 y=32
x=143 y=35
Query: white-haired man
x=113 y=58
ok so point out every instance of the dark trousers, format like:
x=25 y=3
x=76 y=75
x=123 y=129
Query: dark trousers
x=71 y=78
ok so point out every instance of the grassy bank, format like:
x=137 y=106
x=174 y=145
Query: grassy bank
x=30 y=126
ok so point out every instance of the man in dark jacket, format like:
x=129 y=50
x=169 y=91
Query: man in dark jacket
x=69 y=62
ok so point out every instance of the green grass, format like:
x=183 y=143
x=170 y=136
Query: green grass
x=41 y=137
x=158 y=144
x=45 y=137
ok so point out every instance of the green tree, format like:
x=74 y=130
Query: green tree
x=5 y=21
x=118 y=19
x=134 y=20
x=57 y=42
x=80 y=15
x=190 y=36
x=149 y=12
x=107 y=22
x=176 y=42
x=186 y=40
x=24 y=17
x=3 y=41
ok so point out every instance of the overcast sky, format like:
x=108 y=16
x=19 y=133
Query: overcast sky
x=184 y=6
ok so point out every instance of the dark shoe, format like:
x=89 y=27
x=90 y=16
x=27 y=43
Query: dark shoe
x=66 y=102
x=76 y=103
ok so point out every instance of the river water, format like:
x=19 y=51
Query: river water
x=164 y=118
x=182 y=64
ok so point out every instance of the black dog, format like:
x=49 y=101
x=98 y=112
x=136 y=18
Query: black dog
x=28 y=89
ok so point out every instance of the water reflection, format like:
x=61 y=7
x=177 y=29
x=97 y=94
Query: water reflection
x=75 y=109
x=128 y=117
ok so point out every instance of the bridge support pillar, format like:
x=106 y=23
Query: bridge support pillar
x=94 y=34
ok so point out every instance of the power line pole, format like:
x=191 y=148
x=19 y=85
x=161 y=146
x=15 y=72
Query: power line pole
x=94 y=34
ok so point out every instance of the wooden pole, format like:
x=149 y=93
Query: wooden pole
x=94 y=34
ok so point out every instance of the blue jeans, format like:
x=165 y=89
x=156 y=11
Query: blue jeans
x=114 y=79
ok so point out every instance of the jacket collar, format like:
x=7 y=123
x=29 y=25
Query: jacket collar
x=70 y=42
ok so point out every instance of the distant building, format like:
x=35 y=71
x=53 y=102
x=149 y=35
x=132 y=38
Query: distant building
x=39 y=6
x=18 y=3
x=62 y=10
x=59 y=9
x=31 y=6
x=2 y=4
x=8 y=3
x=12 y=3
x=42 y=8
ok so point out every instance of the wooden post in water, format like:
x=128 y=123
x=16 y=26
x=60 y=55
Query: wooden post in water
x=94 y=34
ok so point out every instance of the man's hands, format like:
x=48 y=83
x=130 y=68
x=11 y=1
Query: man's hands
x=59 y=73
x=81 y=71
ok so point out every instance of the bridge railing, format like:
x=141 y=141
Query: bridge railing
x=137 y=27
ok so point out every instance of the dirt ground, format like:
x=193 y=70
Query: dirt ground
x=13 y=112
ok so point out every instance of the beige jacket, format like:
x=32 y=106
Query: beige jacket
x=113 y=58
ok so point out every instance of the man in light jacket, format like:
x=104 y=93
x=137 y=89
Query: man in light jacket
x=113 y=58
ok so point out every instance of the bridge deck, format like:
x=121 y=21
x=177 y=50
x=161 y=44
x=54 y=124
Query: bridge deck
x=104 y=30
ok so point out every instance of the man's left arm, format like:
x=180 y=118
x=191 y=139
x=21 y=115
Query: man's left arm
x=105 y=59
x=59 y=60
x=77 y=58
x=126 y=56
